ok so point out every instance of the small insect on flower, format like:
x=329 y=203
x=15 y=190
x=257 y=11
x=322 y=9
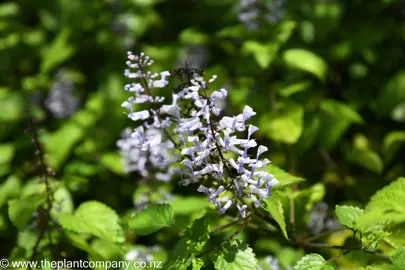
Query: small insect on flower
x=180 y=72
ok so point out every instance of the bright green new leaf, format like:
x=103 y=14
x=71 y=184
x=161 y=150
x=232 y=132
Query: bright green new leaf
x=372 y=236
x=388 y=204
x=284 y=178
x=187 y=205
x=306 y=61
x=152 y=219
x=348 y=215
x=366 y=158
x=284 y=127
x=314 y=261
x=397 y=238
x=57 y=52
x=63 y=201
x=6 y=153
x=275 y=208
x=197 y=264
x=235 y=255
x=398 y=259
x=13 y=104
x=95 y=218
x=9 y=9
x=20 y=210
x=9 y=189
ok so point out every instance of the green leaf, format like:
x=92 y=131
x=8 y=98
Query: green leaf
x=392 y=143
x=80 y=242
x=309 y=134
x=275 y=208
x=13 y=104
x=348 y=215
x=371 y=236
x=6 y=156
x=391 y=95
x=62 y=202
x=308 y=197
x=187 y=205
x=197 y=264
x=20 y=210
x=366 y=158
x=234 y=31
x=192 y=36
x=263 y=53
x=181 y=257
x=314 y=261
x=306 y=61
x=57 y=52
x=386 y=205
x=152 y=219
x=9 y=9
x=113 y=162
x=61 y=143
x=195 y=238
x=198 y=235
x=398 y=113
x=284 y=127
x=284 y=178
x=336 y=118
x=294 y=88
x=95 y=218
x=340 y=110
x=235 y=255
x=397 y=238
x=398 y=259
x=9 y=189
x=288 y=256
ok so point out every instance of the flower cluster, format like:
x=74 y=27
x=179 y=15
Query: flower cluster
x=146 y=149
x=252 y=12
x=209 y=147
x=153 y=154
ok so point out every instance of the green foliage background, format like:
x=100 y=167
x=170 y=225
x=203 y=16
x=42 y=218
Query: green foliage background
x=327 y=83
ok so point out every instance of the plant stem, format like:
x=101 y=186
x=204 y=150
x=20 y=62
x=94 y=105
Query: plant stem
x=223 y=227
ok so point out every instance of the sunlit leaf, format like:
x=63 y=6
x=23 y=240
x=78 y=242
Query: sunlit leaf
x=306 y=61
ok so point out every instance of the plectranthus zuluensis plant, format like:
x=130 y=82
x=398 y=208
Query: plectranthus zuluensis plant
x=189 y=133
